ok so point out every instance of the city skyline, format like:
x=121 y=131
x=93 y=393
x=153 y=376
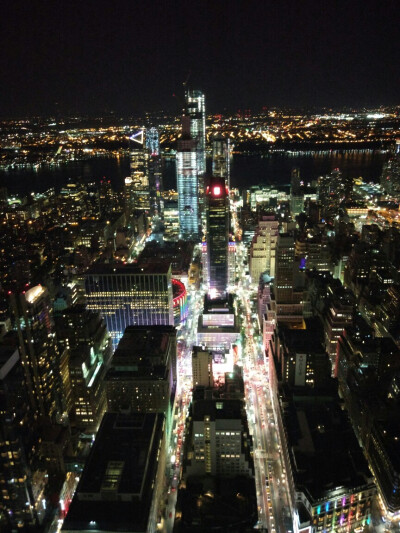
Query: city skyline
x=200 y=267
x=100 y=58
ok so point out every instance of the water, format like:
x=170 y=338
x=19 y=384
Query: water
x=245 y=170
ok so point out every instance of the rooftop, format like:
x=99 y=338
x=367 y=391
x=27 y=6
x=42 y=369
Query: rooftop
x=147 y=266
x=325 y=451
x=122 y=465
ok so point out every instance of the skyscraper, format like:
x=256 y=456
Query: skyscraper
x=140 y=200
x=196 y=109
x=32 y=312
x=187 y=184
x=296 y=193
x=133 y=294
x=284 y=269
x=217 y=197
x=202 y=367
x=390 y=178
x=17 y=503
x=154 y=173
x=221 y=158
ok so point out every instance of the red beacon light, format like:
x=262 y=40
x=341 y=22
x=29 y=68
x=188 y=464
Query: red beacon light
x=216 y=190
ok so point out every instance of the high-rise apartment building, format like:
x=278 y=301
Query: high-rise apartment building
x=187 y=183
x=138 y=294
x=217 y=197
x=33 y=317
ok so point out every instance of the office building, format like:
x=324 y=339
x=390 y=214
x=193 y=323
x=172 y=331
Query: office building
x=263 y=248
x=136 y=294
x=368 y=374
x=121 y=485
x=284 y=268
x=219 y=443
x=221 y=158
x=390 y=178
x=187 y=183
x=142 y=374
x=296 y=193
x=33 y=318
x=218 y=326
x=84 y=335
x=202 y=367
x=338 y=313
x=217 y=197
x=106 y=198
x=301 y=355
x=289 y=284
x=196 y=110
x=155 y=177
x=140 y=194
x=328 y=478
x=21 y=500
x=171 y=220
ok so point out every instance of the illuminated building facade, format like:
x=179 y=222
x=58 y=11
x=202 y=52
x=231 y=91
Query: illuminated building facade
x=131 y=294
x=218 y=327
x=219 y=440
x=196 y=109
x=284 y=269
x=171 y=220
x=221 y=158
x=296 y=193
x=33 y=316
x=16 y=444
x=390 y=178
x=85 y=335
x=142 y=374
x=180 y=302
x=187 y=184
x=202 y=367
x=263 y=248
x=139 y=193
x=154 y=173
x=105 y=198
x=217 y=196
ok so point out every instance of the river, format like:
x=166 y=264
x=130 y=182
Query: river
x=246 y=170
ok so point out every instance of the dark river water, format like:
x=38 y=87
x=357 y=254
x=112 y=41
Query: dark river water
x=246 y=170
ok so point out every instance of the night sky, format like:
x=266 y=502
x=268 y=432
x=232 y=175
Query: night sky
x=130 y=57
